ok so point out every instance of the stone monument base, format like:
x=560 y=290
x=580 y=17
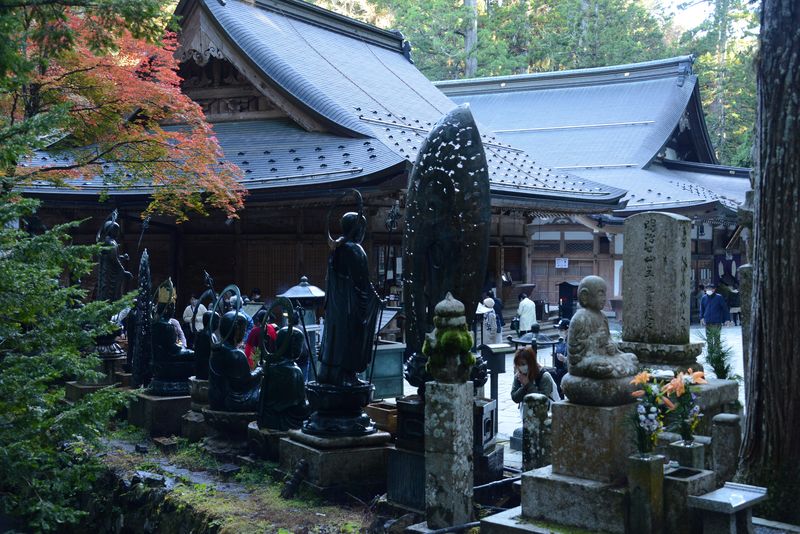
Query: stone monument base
x=591 y=442
x=264 y=442
x=193 y=426
x=674 y=358
x=227 y=432
x=357 y=463
x=198 y=390
x=75 y=391
x=573 y=501
x=598 y=391
x=159 y=416
x=511 y=521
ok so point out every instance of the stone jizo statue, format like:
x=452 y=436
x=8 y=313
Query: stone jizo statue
x=232 y=387
x=599 y=373
x=592 y=352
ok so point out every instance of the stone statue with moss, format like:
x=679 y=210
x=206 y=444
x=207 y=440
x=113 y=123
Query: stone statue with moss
x=448 y=346
x=599 y=373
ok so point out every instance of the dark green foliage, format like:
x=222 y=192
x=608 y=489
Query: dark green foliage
x=46 y=445
x=718 y=356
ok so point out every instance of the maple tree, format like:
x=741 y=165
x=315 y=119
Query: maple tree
x=99 y=91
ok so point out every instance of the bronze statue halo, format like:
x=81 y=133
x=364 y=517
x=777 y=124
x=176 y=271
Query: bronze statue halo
x=216 y=318
x=332 y=243
x=286 y=304
x=110 y=220
x=167 y=286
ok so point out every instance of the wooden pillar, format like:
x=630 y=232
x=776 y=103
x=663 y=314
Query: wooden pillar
x=301 y=263
x=499 y=259
x=238 y=259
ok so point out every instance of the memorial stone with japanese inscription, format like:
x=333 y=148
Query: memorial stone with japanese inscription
x=656 y=290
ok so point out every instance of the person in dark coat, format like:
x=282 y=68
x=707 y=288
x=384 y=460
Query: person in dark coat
x=713 y=308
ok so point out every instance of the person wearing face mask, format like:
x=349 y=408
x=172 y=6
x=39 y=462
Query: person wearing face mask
x=530 y=377
x=713 y=309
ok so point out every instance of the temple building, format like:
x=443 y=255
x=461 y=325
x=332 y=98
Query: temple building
x=310 y=104
x=637 y=127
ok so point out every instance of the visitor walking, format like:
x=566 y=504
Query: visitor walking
x=489 y=325
x=527 y=314
x=188 y=313
x=713 y=314
x=498 y=317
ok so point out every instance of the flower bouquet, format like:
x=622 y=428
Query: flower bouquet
x=680 y=397
x=648 y=420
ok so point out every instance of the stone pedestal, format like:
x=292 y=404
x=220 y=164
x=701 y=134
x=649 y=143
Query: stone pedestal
x=159 y=416
x=264 y=442
x=573 y=501
x=688 y=454
x=338 y=463
x=646 y=488
x=726 y=438
x=448 y=453
x=591 y=442
x=193 y=423
x=75 y=391
x=656 y=291
x=675 y=357
x=198 y=390
x=679 y=484
x=193 y=426
x=227 y=432
x=585 y=485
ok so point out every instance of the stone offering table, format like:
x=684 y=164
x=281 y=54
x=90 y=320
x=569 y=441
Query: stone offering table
x=729 y=509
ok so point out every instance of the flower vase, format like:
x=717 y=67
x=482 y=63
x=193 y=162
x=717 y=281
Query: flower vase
x=646 y=487
x=688 y=453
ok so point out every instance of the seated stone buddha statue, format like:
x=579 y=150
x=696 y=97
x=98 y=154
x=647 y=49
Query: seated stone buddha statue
x=232 y=387
x=283 y=403
x=599 y=373
x=173 y=363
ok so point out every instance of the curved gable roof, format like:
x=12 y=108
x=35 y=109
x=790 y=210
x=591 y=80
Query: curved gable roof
x=619 y=116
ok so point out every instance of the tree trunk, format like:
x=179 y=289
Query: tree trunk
x=771 y=449
x=471 y=38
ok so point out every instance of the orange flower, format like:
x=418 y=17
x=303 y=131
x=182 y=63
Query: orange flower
x=676 y=385
x=698 y=377
x=638 y=393
x=641 y=378
x=668 y=403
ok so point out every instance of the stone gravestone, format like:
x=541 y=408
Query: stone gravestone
x=656 y=291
